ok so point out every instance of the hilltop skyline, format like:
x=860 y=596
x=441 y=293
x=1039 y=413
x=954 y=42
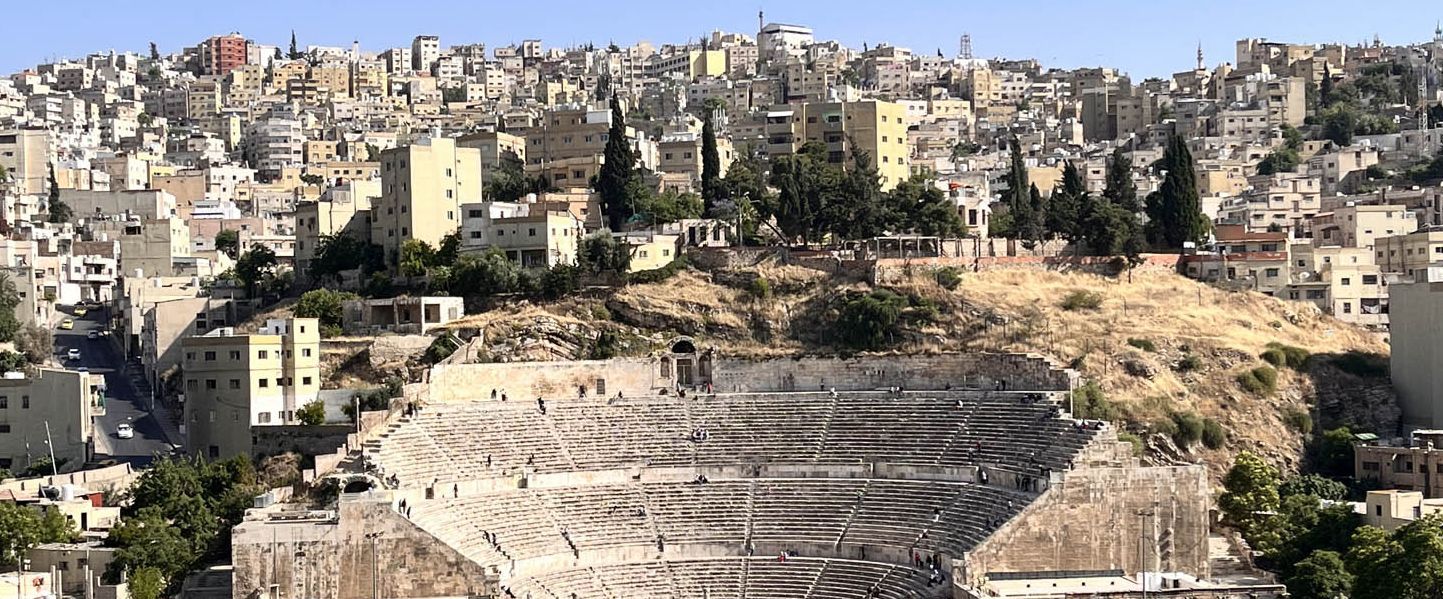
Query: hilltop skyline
x=1161 y=39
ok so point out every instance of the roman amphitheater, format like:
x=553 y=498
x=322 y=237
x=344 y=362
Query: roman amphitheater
x=690 y=474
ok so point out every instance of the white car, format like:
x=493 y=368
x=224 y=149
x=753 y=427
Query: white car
x=124 y=431
x=73 y=354
x=92 y=335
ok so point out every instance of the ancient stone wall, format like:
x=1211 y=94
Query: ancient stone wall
x=1106 y=519
x=894 y=270
x=305 y=440
x=337 y=560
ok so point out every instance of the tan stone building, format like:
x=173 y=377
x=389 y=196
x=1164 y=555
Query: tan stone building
x=234 y=382
x=1409 y=254
x=63 y=400
x=875 y=127
x=341 y=210
x=422 y=188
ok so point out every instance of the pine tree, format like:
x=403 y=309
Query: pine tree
x=295 y=52
x=711 y=188
x=1174 y=210
x=618 y=177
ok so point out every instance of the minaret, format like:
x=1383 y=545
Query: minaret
x=1199 y=55
x=761 y=21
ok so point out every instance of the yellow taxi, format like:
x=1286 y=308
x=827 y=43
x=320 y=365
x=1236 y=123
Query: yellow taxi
x=67 y=324
x=81 y=311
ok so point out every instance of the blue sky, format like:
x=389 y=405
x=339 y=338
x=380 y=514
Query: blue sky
x=1144 y=38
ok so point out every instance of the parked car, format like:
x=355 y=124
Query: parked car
x=67 y=324
x=92 y=335
x=73 y=354
x=81 y=311
x=124 y=431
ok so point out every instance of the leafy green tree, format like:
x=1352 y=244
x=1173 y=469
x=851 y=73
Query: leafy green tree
x=618 y=179
x=670 y=206
x=312 y=414
x=1312 y=484
x=484 y=275
x=19 y=531
x=602 y=253
x=1404 y=564
x=1281 y=160
x=326 y=305
x=9 y=300
x=339 y=253
x=1174 y=210
x=1321 y=575
x=447 y=251
x=802 y=180
x=146 y=583
x=1339 y=123
x=58 y=211
x=1292 y=138
x=870 y=321
x=148 y=540
x=416 y=255
x=924 y=210
x=255 y=266
x=1251 y=489
x=1333 y=454
x=227 y=241
x=712 y=190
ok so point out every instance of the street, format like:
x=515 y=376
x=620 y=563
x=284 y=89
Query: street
x=122 y=402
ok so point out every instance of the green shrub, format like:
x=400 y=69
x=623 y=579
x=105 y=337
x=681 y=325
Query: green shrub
x=605 y=347
x=657 y=275
x=760 y=289
x=869 y=321
x=1294 y=357
x=441 y=348
x=599 y=312
x=1299 y=420
x=1189 y=363
x=1143 y=344
x=312 y=414
x=1364 y=364
x=1189 y=427
x=1082 y=300
x=1164 y=426
x=949 y=278
x=1213 y=435
x=1137 y=445
x=1276 y=357
x=1090 y=403
x=1262 y=381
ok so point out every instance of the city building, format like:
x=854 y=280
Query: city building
x=234 y=382
x=422 y=188
x=877 y=128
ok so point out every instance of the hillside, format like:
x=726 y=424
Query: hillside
x=1156 y=346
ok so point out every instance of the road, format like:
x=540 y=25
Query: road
x=122 y=403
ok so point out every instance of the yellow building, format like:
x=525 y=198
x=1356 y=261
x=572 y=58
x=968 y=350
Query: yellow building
x=538 y=240
x=234 y=382
x=422 y=188
x=875 y=127
x=650 y=250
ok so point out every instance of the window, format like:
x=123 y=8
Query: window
x=235 y=355
x=210 y=383
x=1347 y=281
x=264 y=354
x=1347 y=307
x=210 y=356
x=1271 y=272
x=1370 y=279
x=531 y=232
x=4 y=428
x=235 y=383
x=265 y=383
x=24 y=402
x=192 y=385
x=305 y=380
x=4 y=403
x=263 y=417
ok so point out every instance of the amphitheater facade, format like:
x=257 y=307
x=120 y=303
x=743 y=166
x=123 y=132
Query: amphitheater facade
x=691 y=474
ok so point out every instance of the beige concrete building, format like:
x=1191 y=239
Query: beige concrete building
x=493 y=146
x=540 y=240
x=1393 y=509
x=1343 y=282
x=422 y=188
x=1409 y=254
x=25 y=154
x=649 y=250
x=1284 y=200
x=1413 y=463
x=405 y=314
x=60 y=399
x=1362 y=225
x=875 y=127
x=1253 y=260
x=234 y=382
x=341 y=210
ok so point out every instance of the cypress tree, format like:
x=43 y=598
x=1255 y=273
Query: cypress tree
x=1064 y=212
x=295 y=52
x=711 y=189
x=1120 y=190
x=618 y=171
x=1032 y=230
x=1174 y=210
x=59 y=212
x=1025 y=219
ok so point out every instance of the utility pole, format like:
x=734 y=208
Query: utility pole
x=375 y=567
x=54 y=468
